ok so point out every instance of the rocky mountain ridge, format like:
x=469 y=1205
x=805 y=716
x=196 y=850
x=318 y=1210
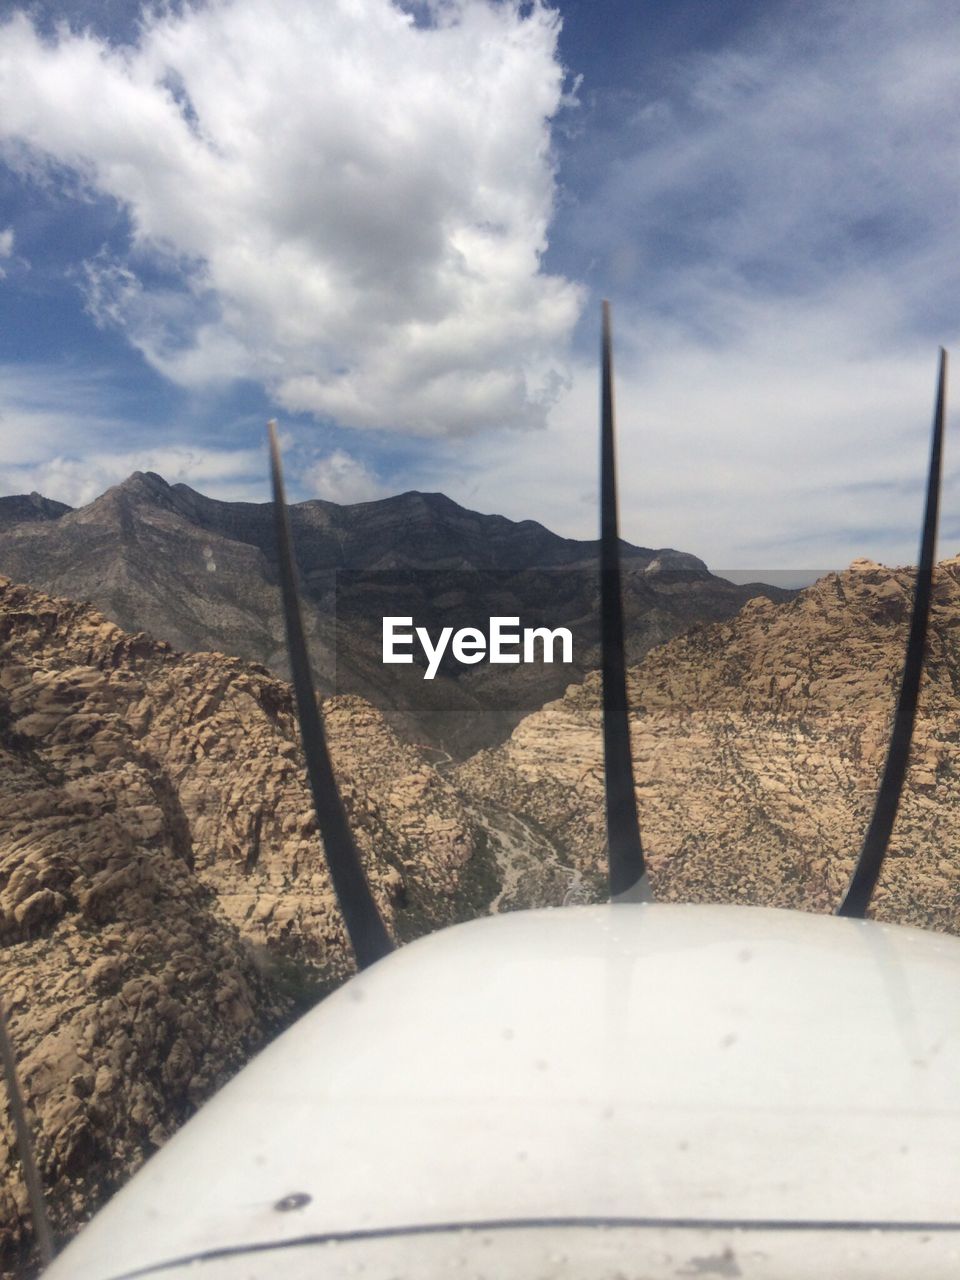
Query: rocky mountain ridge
x=758 y=745
x=26 y=508
x=164 y=905
x=201 y=574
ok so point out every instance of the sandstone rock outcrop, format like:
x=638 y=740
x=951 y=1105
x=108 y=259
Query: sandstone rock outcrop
x=163 y=901
x=164 y=906
x=758 y=746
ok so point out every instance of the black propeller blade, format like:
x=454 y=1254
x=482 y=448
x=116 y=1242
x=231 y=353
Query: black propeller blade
x=628 y=877
x=867 y=871
x=367 y=932
x=31 y=1175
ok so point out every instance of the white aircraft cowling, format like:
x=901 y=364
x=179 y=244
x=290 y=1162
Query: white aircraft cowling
x=634 y=1090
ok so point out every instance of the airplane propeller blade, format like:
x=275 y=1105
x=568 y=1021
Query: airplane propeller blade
x=867 y=871
x=367 y=932
x=31 y=1175
x=627 y=870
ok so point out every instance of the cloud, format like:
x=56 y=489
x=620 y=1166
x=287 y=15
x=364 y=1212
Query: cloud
x=56 y=439
x=6 y=247
x=339 y=477
x=45 y=410
x=352 y=209
x=820 y=147
x=792 y=452
x=234 y=475
x=777 y=230
x=345 y=204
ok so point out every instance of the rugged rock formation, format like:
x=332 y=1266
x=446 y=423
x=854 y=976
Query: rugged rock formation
x=201 y=574
x=163 y=901
x=27 y=508
x=164 y=907
x=758 y=746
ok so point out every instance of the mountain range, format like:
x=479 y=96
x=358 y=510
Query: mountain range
x=758 y=746
x=202 y=575
x=164 y=902
x=164 y=905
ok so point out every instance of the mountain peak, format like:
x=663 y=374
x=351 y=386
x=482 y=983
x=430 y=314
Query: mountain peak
x=139 y=488
x=144 y=482
x=30 y=508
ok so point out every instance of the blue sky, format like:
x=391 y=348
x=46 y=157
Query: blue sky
x=390 y=226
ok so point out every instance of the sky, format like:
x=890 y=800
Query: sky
x=390 y=225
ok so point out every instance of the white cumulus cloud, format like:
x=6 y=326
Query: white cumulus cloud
x=339 y=477
x=56 y=439
x=329 y=198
